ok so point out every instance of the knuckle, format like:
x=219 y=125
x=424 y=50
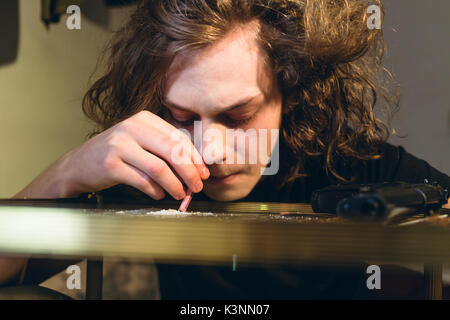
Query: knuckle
x=166 y=140
x=115 y=141
x=188 y=142
x=158 y=195
x=191 y=175
x=144 y=115
x=110 y=162
x=158 y=168
x=126 y=126
x=142 y=183
x=183 y=140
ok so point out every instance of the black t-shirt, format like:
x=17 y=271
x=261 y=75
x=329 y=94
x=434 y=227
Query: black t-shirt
x=307 y=281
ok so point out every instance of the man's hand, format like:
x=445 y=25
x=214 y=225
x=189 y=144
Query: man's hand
x=136 y=152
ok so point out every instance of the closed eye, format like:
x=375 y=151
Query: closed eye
x=181 y=118
x=237 y=116
x=238 y=122
x=241 y=115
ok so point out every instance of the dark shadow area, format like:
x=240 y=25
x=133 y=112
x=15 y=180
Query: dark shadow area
x=96 y=11
x=9 y=31
x=31 y=293
x=119 y=2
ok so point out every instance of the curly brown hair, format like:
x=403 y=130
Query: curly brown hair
x=326 y=59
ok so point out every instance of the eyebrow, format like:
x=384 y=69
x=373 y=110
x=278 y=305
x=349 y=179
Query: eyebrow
x=236 y=105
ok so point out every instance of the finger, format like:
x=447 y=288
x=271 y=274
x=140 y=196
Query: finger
x=161 y=137
x=199 y=164
x=136 y=178
x=156 y=168
x=177 y=150
x=182 y=163
x=194 y=155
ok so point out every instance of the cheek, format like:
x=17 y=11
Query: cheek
x=269 y=117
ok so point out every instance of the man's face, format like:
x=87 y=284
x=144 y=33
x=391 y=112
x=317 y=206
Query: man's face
x=226 y=86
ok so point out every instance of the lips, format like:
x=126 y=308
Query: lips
x=220 y=174
x=223 y=178
x=224 y=174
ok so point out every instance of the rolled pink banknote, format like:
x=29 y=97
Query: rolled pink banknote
x=185 y=204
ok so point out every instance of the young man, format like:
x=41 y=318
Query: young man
x=307 y=68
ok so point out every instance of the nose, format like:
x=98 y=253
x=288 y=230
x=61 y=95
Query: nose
x=213 y=142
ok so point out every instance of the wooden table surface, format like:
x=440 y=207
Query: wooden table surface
x=248 y=232
x=261 y=236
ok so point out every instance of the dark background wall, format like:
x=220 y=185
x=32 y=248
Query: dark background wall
x=419 y=55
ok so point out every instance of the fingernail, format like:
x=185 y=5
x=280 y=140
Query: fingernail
x=198 y=187
x=205 y=173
